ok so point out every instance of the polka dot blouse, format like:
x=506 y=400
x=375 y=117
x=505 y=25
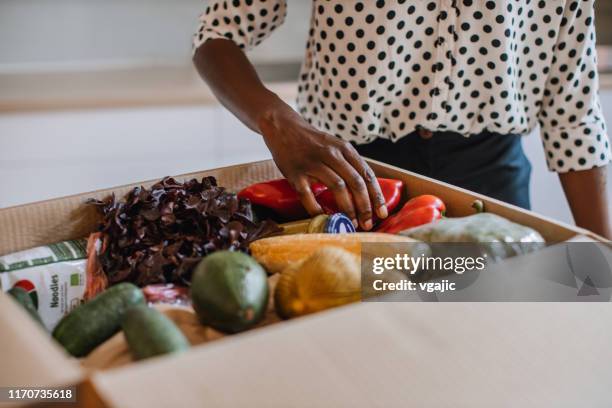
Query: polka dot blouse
x=382 y=68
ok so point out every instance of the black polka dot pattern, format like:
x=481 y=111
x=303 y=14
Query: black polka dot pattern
x=383 y=68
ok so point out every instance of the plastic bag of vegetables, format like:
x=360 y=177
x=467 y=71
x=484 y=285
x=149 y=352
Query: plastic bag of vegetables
x=495 y=236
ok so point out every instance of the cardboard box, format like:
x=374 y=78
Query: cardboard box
x=375 y=354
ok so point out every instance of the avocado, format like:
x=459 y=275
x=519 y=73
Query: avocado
x=229 y=291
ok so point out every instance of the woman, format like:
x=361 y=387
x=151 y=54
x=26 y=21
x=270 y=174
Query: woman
x=443 y=88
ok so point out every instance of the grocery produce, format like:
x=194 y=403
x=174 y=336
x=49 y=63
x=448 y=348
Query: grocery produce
x=500 y=238
x=279 y=197
x=55 y=277
x=331 y=224
x=276 y=253
x=229 y=291
x=92 y=323
x=115 y=352
x=158 y=235
x=417 y=211
x=22 y=297
x=150 y=333
x=390 y=188
x=328 y=278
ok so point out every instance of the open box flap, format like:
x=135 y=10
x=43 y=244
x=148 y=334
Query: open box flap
x=28 y=356
x=388 y=355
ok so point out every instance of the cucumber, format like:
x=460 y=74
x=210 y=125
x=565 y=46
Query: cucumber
x=229 y=291
x=150 y=333
x=23 y=298
x=94 y=322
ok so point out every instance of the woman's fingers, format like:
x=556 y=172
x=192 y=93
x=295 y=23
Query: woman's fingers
x=302 y=187
x=376 y=196
x=338 y=186
x=302 y=152
x=356 y=185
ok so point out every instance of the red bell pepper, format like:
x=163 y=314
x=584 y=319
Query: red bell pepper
x=417 y=211
x=280 y=197
x=390 y=188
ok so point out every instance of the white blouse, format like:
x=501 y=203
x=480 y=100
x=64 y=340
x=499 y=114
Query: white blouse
x=382 y=68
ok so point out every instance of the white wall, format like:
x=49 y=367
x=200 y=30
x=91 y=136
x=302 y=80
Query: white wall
x=45 y=155
x=59 y=32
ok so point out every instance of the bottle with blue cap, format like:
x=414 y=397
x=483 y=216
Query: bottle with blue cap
x=337 y=223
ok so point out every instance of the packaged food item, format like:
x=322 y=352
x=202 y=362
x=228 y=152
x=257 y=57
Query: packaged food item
x=330 y=224
x=338 y=223
x=499 y=237
x=167 y=293
x=319 y=224
x=298 y=227
x=96 y=278
x=330 y=277
x=54 y=276
x=276 y=253
x=279 y=197
x=21 y=296
x=417 y=211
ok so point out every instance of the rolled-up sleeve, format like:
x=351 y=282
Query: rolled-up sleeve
x=572 y=124
x=246 y=22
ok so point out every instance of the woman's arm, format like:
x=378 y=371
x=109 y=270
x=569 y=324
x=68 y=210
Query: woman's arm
x=301 y=152
x=587 y=194
x=572 y=124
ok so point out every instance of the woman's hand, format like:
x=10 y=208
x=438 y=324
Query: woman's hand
x=304 y=154
x=301 y=152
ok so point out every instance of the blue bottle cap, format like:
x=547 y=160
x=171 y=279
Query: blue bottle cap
x=339 y=224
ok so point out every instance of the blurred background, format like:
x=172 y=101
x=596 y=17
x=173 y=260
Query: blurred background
x=100 y=93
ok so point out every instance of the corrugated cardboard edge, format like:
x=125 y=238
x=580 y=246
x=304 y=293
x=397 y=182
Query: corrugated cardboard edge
x=28 y=357
x=459 y=203
x=388 y=355
x=44 y=222
x=29 y=225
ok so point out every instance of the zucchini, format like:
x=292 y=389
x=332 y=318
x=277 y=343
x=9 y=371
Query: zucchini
x=92 y=323
x=150 y=333
x=21 y=296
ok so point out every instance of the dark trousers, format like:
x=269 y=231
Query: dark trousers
x=491 y=164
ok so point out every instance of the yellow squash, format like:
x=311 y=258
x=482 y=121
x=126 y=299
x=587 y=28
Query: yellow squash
x=328 y=278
